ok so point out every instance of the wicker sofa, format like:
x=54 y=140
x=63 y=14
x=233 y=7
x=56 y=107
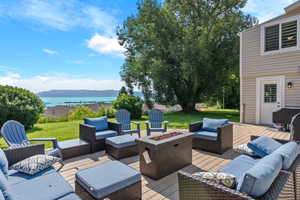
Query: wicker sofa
x=96 y=138
x=220 y=144
x=47 y=184
x=196 y=188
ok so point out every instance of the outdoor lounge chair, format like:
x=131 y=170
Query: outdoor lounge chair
x=215 y=141
x=14 y=134
x=123 y=117
x=47 y=184
x=156 y=122
x=96 y=130
x=283 y=187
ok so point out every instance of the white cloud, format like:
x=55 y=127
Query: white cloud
x=63 y=15
x=49 y=51
x=105 y=45
x=79 y=62
x=266 y=9
x=63 y=82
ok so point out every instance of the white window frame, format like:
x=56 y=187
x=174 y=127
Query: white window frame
x=280 y=22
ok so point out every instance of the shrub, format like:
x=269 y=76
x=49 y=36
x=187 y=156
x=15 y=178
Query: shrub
x=20 y=105
x=81 y=112
x=131 y=103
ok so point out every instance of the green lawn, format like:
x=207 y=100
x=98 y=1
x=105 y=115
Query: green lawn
x=70 y=130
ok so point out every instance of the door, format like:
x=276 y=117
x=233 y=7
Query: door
x=271 y=98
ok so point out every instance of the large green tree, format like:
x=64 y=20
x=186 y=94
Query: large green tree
x=181 y=51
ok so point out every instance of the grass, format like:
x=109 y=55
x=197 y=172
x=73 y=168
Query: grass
x=179 y=120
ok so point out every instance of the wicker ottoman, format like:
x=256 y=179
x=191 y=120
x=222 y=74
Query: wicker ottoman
x=113 y=180
x=122 y=146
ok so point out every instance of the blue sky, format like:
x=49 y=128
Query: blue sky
x=71 y=44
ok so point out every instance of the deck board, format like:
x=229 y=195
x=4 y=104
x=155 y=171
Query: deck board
x=167 y=188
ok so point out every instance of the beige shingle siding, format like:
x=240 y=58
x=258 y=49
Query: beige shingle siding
x=254 y=65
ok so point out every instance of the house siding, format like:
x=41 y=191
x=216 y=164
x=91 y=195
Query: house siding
x=254 y=65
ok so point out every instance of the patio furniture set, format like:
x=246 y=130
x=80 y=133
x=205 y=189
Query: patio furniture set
x=260 y=176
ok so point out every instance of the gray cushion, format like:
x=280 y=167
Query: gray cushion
x=259 y=178
x=239 y=166
x=107 y=178
x=208 y=135
x=1 y=195
x=289 y=153
x=213 y=124
x=100 y=123
x=121 y=141
x=105 y=134
x=71 y=196
x=3 y=162
x=264 y=146
x=15 y=177
x=48 y=187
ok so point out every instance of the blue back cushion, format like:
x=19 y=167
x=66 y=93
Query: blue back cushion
x=258 y=179
x=100 y=123
x=263 y=146
x=3 y=162
x=289 y=153
x=213 y=124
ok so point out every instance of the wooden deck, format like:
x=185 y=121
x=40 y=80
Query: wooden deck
x=166 y=188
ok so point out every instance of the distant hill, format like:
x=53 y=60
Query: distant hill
x=82 y=93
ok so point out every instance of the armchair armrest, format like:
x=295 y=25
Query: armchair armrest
x=195 y=126
x=138 y=125
x=17 y=154
x=225 y=132
x=53 y=140
x=87 y=132
x=191 y=187
x=115 y=126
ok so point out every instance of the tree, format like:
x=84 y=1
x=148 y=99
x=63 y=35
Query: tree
x=20 y=105
x=131 y=103
x=122 y=91
x=182 y=51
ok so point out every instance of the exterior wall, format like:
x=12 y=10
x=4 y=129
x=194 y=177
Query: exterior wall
x=254 y=65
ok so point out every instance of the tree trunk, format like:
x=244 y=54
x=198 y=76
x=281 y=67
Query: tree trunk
x=188 y=107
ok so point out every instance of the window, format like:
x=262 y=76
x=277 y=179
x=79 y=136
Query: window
x=272 y=38
x=280 y=36
x=289 y=34
x=270 y=93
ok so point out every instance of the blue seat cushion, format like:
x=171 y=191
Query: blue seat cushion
x=100 y=123
x=208 y=135
x=3 y=162
x=105 y=134
x=48 y=187
x=4 y=186
x=263 y=146
x=121 y=141
x=15 y=177
x=239 y=166
x=213 y=124
x=258 y=179
x=107 y=178
x=1 y=196
x=71 y=196
x=289 y=153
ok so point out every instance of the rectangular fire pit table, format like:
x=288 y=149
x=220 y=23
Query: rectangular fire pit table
x=164 y=154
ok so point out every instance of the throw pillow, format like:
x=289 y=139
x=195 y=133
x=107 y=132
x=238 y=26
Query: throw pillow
x=213 y=124
x=228 y=180
x=35 y=164
x=244 y=149
x=263 y=146
x=3 y=162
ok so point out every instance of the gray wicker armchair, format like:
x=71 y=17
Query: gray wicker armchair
x=223 y=143
x=88 y=134
x=196 y=188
